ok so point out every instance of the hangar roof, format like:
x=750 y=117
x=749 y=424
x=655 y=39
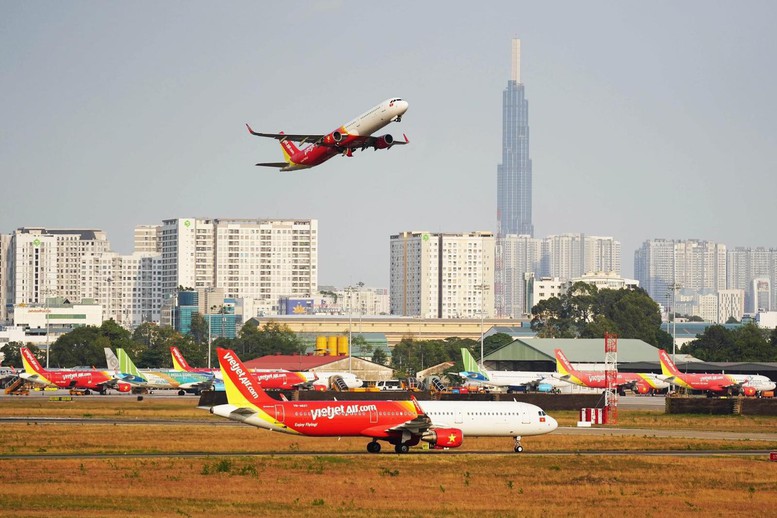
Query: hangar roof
x=578 y=350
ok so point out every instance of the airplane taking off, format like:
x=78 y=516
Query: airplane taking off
x=442 y=424
x=749 y=385
x=86 y=380
x=642 y=383
x=353 y=136
x=512 y=380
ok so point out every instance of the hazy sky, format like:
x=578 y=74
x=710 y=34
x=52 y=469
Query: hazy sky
x=648 y=119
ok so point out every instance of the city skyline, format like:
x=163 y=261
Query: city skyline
x=646 y=123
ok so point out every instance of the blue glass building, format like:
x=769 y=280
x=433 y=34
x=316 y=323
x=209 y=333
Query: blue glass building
x=514 y=178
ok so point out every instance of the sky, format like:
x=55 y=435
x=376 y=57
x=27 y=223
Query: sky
x=647 y=119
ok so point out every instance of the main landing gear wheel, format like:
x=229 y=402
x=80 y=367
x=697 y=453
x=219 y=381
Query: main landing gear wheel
x=373 y=447
x=401 y=448
x=518 y=448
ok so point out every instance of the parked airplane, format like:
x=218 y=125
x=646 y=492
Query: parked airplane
x=346 y=139
x=442 y=424
x=269 y=379
x=85 y=380
x=512 y=380
x=642 y=383
x=746 y=384
x=163 y=378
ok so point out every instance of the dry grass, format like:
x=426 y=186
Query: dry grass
x=389 y=485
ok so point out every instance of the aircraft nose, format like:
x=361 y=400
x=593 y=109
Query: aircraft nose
x=402 y=105
x=552 y=423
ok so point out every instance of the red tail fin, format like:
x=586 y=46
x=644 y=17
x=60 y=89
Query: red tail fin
x=240 y=385
x=178 y=359
x=289 y=149
x=30 y=362
x=562 y=363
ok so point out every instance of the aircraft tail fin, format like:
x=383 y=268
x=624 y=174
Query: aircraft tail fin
x=668 y=368
x=241 y=387
x=289 y=149
x=30 y=362
x=127 y=366
x=111 y=360
x=470 y=364
x=562 y=364
x=179 y=362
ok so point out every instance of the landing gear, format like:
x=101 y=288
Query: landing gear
x=518 y=448
x=181 y=392
x=401 y=448
x=373 y=447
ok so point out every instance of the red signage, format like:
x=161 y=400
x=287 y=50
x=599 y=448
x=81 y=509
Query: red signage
x=773 y=456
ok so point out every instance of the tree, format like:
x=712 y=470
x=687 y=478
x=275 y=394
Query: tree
x=586 y=312
x=495 y=341
x=359 y=346
x=270 y=338
x=379 y=356
x=12 y=356
x=199 y=329
x=745 y=343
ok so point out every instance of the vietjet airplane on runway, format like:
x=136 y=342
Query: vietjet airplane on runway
x=86 y=380
x=271 y=379
x=642 y=383
x=443 y=424
x=749 y=385
x=346 y=139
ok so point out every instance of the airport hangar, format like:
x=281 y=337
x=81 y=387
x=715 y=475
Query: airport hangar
x=529 y=353
x=538 y=354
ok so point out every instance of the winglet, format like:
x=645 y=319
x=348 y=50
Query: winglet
x=406 y=140
x=252 y=132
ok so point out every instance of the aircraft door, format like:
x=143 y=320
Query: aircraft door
x=279 y=413
x=459 y=416
x=525 y=417
x=373 y=414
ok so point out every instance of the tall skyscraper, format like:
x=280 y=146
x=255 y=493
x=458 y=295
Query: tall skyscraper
x=514 y=181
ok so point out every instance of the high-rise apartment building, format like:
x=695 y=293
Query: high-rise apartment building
x=662 y=265
x=567 y=256
x=514 y=174
x=147 y=238
x=518 y=256
x=442 y=275
x=128 y=287
x=46 y=263
x=747 y=265
x=5 y=274
x=247 y=258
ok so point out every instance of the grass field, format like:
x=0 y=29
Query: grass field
x=315 y=484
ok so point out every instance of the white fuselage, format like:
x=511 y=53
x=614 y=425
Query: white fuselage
x=521 y=378
x=322 y=378
x=756 y=381
x=377 y=117
x=489 y=418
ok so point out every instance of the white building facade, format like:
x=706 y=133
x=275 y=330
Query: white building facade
x=442 y=275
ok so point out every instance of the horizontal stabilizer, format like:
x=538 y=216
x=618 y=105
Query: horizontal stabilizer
x=273 y=164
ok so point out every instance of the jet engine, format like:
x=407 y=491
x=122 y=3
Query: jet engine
x=334 y=138
x=642 y=388
x=749 y=391
x=383 y=142
x=440 y=438
x=123 y=387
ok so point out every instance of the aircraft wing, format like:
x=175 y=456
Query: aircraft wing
x=301 y=138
